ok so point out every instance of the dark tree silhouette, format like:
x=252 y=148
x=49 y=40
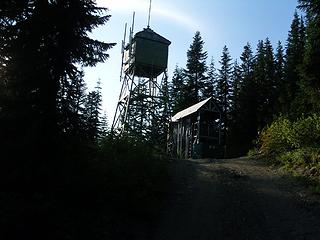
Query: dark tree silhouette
x=209 y=85
x=309 y=100
x=195 y=69
x=178 y=91
x=294 y=58
x=224 y=90
x=279 y=78
x=44 y=44
x=92 y=112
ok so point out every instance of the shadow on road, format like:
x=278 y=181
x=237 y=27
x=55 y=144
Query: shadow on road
x=234 y=199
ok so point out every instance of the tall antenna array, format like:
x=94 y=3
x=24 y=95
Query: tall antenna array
x=142 y=105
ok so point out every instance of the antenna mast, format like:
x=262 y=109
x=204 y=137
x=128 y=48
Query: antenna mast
x=149 y=15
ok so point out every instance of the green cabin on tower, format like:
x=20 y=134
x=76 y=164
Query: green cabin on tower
x=147 y=54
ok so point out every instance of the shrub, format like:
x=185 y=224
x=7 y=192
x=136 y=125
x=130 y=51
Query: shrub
x=276 y=138
x=306 y=132
x=294 y=144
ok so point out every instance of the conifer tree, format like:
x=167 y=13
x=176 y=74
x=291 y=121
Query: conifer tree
x=71 y=101
x=195 y=69
x=270 y=85
x=210 y=83
x=104 y=126
x=260 y=83
x=224 y=80
x=224 y=90
x=162 y=116
x=294 y=57
x=245 y=125
x=92 y=114
x=43 y=43
x=310 y=82
x=279 y=77
x=236 y=87
x=178 y=91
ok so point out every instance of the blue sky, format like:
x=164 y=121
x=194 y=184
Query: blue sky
x=221 y=22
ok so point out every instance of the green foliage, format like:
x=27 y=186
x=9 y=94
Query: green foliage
x=276 y=138
x=306 y=132
x=294 y=144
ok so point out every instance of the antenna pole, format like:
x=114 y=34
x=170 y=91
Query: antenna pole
x=133 y=17
x=149 y=15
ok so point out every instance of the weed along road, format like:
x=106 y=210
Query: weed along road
x=237 y=199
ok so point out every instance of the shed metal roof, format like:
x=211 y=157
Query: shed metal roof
x=189 y=110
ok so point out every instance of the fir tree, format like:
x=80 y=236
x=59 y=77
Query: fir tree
x=279 y=77
x=195 y=69
x=224 y=85
x=247 y=61
x=104 y=126
x=71 y=105
x=236 y=87
x=92 y=114
x=270 y=91
x=224 y=80
x=210 y=83
x=309 y=100
x=294 y=57
x=43 y=43
x=178 y=91
x=244 y=128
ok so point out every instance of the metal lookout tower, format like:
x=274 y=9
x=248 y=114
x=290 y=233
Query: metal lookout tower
x=141 y=107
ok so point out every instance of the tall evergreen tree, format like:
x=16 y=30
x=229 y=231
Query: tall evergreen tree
x=92 y=114
x=224 y=90
x=260 y=83
x=310 y=82
x=178 y=91
x=236 y=87
x=270 y=85
x=162 y=116
x=71 y=101
x=294 y=57
x=245 y=126
x=279 y=77
x=247 y=61
x=44 y=42
x=196 y=68
x=104 y=126
x=210 y=83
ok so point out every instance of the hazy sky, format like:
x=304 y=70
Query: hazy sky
x=221 y=22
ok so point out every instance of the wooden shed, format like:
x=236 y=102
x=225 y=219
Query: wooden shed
x=195 y=132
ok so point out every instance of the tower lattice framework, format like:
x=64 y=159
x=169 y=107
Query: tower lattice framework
x=142 y=108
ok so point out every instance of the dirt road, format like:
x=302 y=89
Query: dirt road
x=237 y=199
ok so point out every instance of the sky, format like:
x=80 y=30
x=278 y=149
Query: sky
x=221 y=22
